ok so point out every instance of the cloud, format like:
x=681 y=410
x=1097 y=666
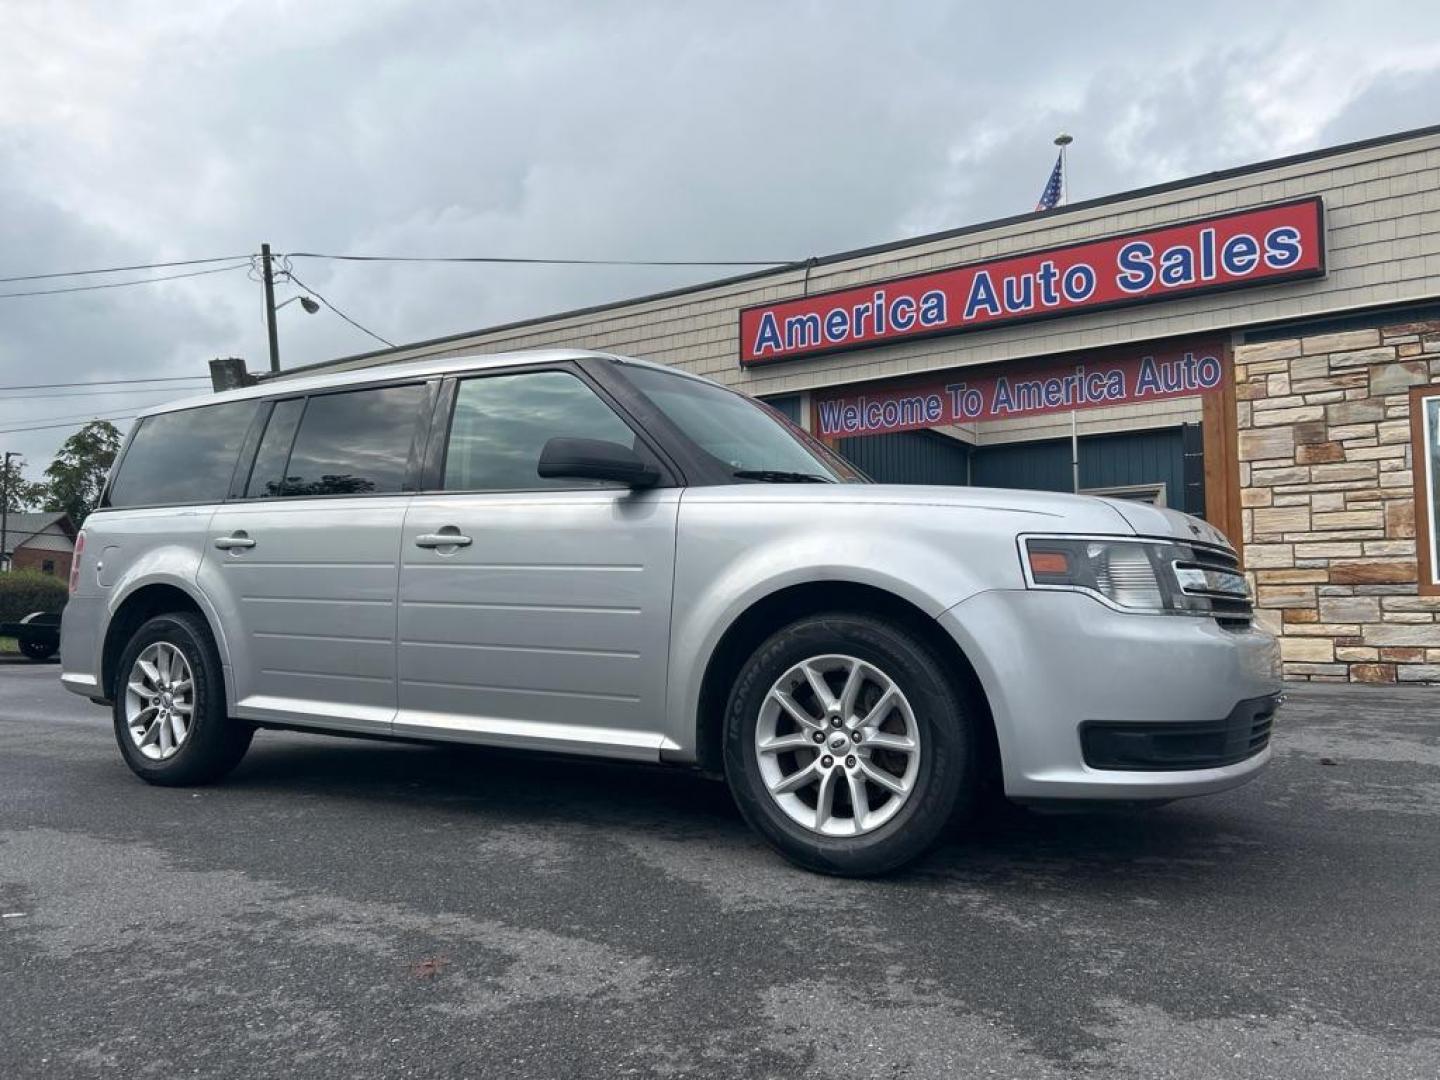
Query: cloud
x=146 y=131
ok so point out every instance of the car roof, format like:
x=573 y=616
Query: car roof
x=282 y=385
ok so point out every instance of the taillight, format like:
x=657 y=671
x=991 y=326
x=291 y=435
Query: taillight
x=75 y=562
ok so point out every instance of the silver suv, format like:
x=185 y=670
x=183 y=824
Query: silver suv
x=577 y=552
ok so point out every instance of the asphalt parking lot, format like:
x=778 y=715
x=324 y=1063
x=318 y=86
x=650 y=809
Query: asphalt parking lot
x=343 y=908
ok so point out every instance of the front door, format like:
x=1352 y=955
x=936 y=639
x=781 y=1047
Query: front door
x=304 y=569
x=546 y=622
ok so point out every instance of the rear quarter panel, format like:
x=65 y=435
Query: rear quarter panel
x=125 y=551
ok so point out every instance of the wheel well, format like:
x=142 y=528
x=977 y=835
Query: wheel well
x=766 y=616
x=139 y=606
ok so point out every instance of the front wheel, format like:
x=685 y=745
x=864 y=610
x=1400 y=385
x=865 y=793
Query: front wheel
x=847 y=745
x=170 y=715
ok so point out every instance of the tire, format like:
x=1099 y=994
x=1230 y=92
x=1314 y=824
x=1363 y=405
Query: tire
x=38 y=650
x=212 y=743
x=931 y=713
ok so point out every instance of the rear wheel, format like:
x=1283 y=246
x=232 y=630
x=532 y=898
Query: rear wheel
x=38 y=650
x=847 y=745
x=170 y=716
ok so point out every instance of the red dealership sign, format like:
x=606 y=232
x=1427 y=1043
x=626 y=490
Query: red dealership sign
x=1003 y=391
x=1250 y=247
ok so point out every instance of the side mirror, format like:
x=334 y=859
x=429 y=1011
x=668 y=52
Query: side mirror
x=596 y=459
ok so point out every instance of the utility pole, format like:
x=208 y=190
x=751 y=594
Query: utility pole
x=5 y=509
x=269 y=279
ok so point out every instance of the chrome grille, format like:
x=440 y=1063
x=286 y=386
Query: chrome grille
x=1213 y=575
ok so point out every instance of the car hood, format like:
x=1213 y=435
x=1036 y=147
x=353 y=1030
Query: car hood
x=1149 y=520
x=1033 y=511
x=1038 y=511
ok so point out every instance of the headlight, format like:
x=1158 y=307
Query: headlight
x=1138 y=575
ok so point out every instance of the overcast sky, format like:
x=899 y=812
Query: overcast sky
x=143 y=132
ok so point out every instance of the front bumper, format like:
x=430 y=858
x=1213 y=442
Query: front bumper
x=1056 y=664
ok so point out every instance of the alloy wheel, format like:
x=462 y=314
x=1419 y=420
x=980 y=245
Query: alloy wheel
x=838 y=745
x=159 y=701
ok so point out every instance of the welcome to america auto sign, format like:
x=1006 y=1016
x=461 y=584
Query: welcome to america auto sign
x=1116 y=376
x=1275 y=243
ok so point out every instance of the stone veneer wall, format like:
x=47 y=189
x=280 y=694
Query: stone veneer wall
x=1328 y=503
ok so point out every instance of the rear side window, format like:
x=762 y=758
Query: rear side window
x=182 y=457
x=502 y=423
x=353 y=443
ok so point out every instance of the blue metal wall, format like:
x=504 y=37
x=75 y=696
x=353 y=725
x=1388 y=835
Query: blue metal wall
x=1039 y=466
x=1132 y=457
x=789 y=404
x=1137 y=457
x=909 y=457
x=1119 y=460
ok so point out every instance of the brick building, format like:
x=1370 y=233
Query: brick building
x=1256 y=346
x=44 y=542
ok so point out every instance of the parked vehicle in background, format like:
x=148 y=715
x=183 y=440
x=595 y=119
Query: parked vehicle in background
x=577 y=552
x=37 y=634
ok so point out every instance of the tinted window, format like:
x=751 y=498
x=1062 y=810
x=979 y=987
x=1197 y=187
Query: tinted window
x=269 y=468
x=738 y=431
x=354 y=443
x=501 y=424
x=182 y=457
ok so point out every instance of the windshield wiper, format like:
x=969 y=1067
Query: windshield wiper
x=780 y=476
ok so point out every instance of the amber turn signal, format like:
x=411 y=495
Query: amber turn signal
x=1049 y=562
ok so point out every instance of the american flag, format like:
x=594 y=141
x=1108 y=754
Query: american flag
x=1054 y=187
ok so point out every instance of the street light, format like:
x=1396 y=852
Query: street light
x=310 y=306
x=267 y=278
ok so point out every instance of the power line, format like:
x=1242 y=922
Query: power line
x=393 y=258
x=77 y=423
x=91 y=393
x=82 y=417
x=122 y=269
x=132 y=281
x=538 y=262
x=337 y=311
x=107 y=382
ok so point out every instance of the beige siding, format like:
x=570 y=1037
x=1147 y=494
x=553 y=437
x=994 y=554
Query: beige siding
x=1382 y=208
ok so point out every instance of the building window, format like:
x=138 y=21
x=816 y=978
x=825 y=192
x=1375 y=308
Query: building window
x=1425 y=464
x=48 y=566
x=1154 y=494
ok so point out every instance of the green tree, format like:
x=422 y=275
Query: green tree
x=77 y=475
x=17 y=493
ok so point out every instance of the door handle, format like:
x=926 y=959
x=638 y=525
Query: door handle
x=443 y=539
x=239 y=540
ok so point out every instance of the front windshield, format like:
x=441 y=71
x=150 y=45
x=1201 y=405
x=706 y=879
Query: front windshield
x=750 y=438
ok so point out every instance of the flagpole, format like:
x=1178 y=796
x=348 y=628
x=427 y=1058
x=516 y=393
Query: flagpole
x=1075 y=450
x=1062 y=141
